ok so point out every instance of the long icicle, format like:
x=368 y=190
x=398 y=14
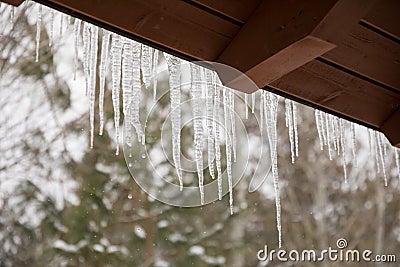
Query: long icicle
x=127 y=86
x=233 y=121
x=296 y=134
x=155 y=72
x=271 y=111
x=51 y=37
x=116 y=58
x=210 y=123
x=246 y=105
x=146 y=62
x=38 y=30
x=381 y=156
x=136 y=94
x=93 y=75
x=174 y=65
x=228 y=145
x=217 y=104
x=196 y=93
x=343 y=147
x=319 y=128
x=253 y=102
x=353 y=142
x=77 y=30
x=396 y=155
x=105 y=43
x=86 y=53
x=328 y=135
x=289 y=125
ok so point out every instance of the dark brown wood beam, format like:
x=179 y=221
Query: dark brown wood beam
x=172 y=25
x=335 y=90
x=276 y=40
x=391 y=128
x=13 y=2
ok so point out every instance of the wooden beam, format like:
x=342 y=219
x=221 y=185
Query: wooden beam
x=13 y=2
x=384 y=16
x=357 y=48
x=325 y=86
x=391 y=128
x=275 y=40
x=171 y=25
x=238 y=10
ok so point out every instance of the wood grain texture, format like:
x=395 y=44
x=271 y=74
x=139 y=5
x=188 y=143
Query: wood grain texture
x=335 y=90
x=173 y=24
x=239 y=10
x=384 y=15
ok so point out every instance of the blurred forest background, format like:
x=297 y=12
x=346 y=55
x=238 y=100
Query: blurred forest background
x=63 y=204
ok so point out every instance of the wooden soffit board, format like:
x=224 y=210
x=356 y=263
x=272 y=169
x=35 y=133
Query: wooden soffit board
x=340 y=56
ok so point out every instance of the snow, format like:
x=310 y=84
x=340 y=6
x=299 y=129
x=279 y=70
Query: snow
x=140 y=232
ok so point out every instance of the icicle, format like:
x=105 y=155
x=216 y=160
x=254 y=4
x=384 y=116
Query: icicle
x=175 y=101
x=233 y=121
x=38 y=30
x=271 y=111
x=289 y=125
x=68 y=21
x=228 y=145
x=328 y=138
x=12 y=14
x=116 y=51
x=296 y=134
x=61 y=25
x=343 y=146
x=146 y=64
x=322 y=124
x=353 y=142
x=196 y=92
x=210 y=124
x=253 y=102
x=396 y=155
x=337 y=133
x=246 y=105
x=369 y=140
x=51 y=27
x=262 y=111
x=127 y=86
x=92 y=69
x=217 y=100
x=86 y=53
x=137 y=89
x=381 y=157
x=102 y=73
x=155 y=73
x=376 y=151
x=333 y=133
x=77 y=30
x=319 y=128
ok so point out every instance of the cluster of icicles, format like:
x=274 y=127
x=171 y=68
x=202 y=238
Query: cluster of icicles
x=133 y=63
